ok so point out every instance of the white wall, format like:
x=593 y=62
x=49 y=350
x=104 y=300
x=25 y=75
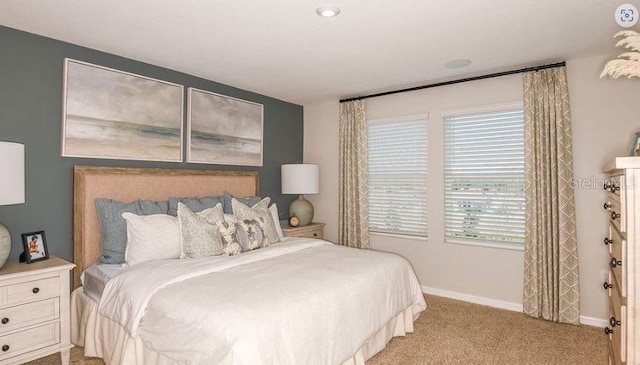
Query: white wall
x=321 y=147
x=605 y=113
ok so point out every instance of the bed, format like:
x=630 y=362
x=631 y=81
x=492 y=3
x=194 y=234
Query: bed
x=300 y=301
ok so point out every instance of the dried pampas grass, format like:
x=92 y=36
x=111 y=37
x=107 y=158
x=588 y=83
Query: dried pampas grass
x=628 y=63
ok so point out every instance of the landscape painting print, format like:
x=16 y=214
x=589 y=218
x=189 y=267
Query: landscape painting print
x=224 y=130
x=117 y=115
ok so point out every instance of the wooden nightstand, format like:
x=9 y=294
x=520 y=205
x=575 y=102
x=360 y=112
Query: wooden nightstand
x=35 y=310
x=312 y=230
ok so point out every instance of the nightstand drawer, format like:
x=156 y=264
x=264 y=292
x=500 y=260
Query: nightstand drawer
x=28 y=340
x=29 y=314
x=316 y=233
x=312 y=230
x=30 y=291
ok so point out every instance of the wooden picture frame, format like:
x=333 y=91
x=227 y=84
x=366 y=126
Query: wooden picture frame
x=35 y=247
x=635 y=147
x=112 y=114
x=223 y=130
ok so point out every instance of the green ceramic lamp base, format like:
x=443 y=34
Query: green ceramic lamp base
x=5 y=244
x=303 y=209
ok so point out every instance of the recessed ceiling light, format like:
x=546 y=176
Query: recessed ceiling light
x=457 y=63
x=328 y=11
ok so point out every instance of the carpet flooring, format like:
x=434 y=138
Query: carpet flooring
x=455 y=332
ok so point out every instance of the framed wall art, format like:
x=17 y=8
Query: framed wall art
x=223 y=130
x=119 y=115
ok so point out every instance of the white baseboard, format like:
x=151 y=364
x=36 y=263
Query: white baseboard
x=501 y=304
x=516 y=307
x=592 y=321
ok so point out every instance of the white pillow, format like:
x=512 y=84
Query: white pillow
x=151 y=237
x=276 y=219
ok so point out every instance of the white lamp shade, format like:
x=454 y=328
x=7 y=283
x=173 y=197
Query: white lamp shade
x=12 y=173
x=300 y=179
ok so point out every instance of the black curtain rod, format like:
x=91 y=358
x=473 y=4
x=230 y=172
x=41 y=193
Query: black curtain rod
x=452 y=82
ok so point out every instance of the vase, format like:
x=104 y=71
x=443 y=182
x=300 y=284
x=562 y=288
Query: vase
x=303 y=209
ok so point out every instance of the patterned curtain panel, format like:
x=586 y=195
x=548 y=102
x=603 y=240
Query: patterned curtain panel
x=353 y=199
x=551 y=285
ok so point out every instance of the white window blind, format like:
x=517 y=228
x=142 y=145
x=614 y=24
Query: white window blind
x=484 y=177
x=398 y=177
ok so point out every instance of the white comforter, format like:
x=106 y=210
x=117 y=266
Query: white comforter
x=303 y=301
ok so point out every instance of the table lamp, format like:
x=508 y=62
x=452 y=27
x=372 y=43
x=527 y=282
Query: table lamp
x=301 y=179
x=11 y=187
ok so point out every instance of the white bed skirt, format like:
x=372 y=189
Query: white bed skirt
x=106 y=339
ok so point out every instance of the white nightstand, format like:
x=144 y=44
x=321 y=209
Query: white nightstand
x=35 y=310
x=312 y=230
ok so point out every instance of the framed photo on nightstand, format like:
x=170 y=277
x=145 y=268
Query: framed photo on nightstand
x=35 y=247
x=635 y=147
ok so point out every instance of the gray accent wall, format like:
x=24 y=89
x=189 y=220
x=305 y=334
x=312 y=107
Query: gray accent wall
x=31 y=83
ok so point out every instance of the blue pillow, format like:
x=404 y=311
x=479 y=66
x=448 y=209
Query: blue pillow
x=249 y=201
x=113 y=227
x=195 y=204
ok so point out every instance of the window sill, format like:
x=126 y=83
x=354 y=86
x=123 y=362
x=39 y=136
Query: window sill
x=489 y=244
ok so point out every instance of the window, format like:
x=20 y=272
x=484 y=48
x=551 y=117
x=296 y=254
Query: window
x=484 y=178
x=398 y=176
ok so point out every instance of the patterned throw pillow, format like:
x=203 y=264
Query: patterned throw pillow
x=251 y=234
x=259 y=212
x=227 y=231
x=199 y=232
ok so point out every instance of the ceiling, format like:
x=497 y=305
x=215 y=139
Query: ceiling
x=282 y=49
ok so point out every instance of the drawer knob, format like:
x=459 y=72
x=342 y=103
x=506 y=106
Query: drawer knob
x=613 y=322
x=607 y=240
x=615 y=262
x=607 y=186
x=614 y=188
x=315 y=235
x=608 y=331
x=5 y=320
x=606 y=285
x=5 y=348
x=606 y=205
x=35 y=290
x=614 y=216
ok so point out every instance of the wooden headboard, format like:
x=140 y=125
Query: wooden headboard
x=130 y=184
